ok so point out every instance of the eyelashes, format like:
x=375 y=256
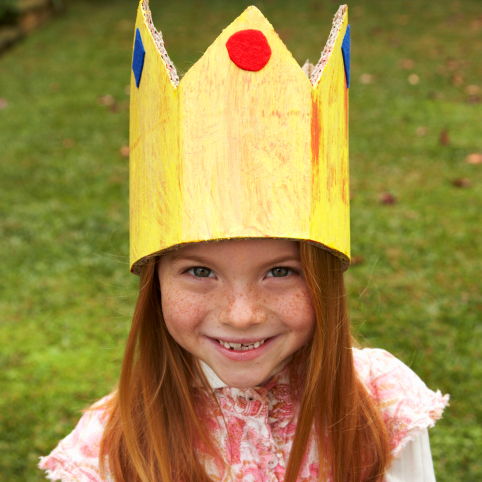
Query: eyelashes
x=277 y=272
x=199 y=272
x=280 y=272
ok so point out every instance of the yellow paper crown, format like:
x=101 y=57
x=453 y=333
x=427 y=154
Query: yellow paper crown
x=233 y=153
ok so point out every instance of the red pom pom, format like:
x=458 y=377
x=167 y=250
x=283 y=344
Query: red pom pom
x=249 y=49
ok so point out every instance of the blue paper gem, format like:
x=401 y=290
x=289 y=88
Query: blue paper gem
x=138 y=58
x=345 y=50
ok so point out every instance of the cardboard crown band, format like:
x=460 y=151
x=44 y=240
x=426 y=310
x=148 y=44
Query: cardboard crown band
x=244 y=146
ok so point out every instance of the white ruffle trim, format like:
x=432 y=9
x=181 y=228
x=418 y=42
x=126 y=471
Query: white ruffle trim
x=428 y=421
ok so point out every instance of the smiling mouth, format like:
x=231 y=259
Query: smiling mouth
x=241 y=346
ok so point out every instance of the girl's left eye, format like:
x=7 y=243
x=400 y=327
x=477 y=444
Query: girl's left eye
x=279 y=272
x=200 y=272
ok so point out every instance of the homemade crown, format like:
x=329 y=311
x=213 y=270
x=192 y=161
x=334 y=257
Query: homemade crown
x=244 y=146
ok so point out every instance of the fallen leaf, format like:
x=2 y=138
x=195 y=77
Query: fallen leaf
x=476 y=24
x=395 y=42
x=462 y=182
x=356 y=260
x=29 y=21
x=106 y=100
x=474 y=158
x=124 y=151
x=421 y=131
x=441 y=70
x=452 y=64
x=457 y=80
x=3 y=103
x=472 y=89
x=127 y=89
x=451 y=19
x=412 y=214
x=408 y=64
x=444 y=138
x=413 y=79
x=68 y=143
x=387 y=198
x=435 y=95
x=394 y=253
x=366 y=79
x=474 y=99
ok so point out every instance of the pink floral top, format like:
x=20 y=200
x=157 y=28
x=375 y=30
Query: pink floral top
x=259 y=425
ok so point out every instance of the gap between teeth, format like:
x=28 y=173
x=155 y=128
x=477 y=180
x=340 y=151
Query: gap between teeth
x=241 y=347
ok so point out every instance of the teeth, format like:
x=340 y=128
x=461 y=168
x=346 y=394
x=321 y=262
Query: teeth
x=241 y=347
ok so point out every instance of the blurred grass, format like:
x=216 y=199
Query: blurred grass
x=67 y=295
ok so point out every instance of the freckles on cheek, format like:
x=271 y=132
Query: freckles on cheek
x=297 y=308
x=180 y=309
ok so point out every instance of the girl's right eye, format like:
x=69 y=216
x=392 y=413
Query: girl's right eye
x=200 y=272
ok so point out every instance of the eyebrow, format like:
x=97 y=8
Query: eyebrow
x=186 y=257
x=282 y=259
x=201 y=259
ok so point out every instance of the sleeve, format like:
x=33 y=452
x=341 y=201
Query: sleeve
x=76 y=457
x=407 y=406
x=414 y=463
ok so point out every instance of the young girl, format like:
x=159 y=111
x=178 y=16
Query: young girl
x=239 y=363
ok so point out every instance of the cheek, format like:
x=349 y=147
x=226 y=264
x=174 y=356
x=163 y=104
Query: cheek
x=297 y=310
x=181 y=311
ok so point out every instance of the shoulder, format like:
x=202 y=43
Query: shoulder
x=76 y=457
x=407 y=406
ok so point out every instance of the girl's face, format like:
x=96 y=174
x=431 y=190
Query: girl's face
x=241 y=306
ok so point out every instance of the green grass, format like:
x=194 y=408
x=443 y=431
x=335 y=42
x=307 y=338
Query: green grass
x=67 y=295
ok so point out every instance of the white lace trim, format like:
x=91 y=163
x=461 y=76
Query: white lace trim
x=330 y=43
x=158 y=40
x=421 y=425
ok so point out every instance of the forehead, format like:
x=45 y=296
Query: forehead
x=239 y=248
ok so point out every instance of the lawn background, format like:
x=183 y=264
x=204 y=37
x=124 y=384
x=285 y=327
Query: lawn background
x=66 y=292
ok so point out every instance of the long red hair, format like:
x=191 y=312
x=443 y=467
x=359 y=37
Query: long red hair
x=153 y=415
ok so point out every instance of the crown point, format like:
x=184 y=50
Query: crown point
x=249 y=49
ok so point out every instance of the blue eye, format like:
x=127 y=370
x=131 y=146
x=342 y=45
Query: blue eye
x=200 y=272
x=279 y=272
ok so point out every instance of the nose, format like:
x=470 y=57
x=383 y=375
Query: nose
x=242 y=309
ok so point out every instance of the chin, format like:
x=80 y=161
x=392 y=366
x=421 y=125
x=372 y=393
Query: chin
x=243 y=382
x=244 y=386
